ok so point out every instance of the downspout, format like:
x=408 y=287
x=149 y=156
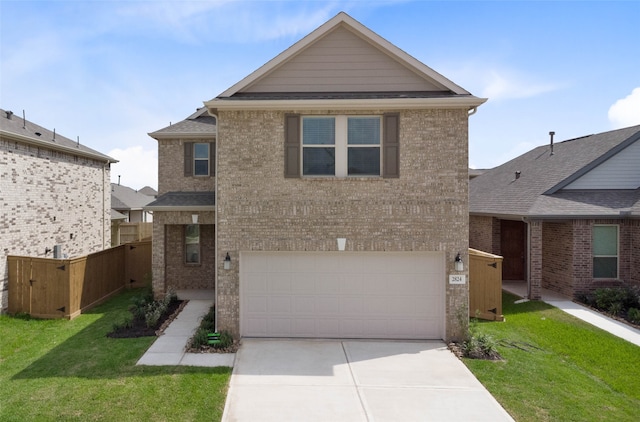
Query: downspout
x=104 y=229
x=215 y=229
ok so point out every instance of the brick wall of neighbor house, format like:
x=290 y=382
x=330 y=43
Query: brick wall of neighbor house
x=182 y=276
x=634 y=229
x=426 y=209
x=557 y=257
x=171 y=172
x=167 y=229
x=481 y=233
x=50 y=198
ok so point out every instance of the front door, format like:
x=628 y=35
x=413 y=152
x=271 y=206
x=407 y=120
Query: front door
x=512 y=245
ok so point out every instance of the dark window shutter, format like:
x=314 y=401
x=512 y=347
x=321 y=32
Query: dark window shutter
x=292 y=145
x=188 y=159
x=212 y=159
x=391 y=146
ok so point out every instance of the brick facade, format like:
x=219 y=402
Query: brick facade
x=171 y=171
x=557 y=257
x=425 y=209
x=48 y=198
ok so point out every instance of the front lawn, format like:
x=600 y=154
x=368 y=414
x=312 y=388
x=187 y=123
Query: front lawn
x=559 y=368
x=70 y=370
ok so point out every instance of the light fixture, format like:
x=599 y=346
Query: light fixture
x=194 y=218
x=342 y=242
x=458 y=262
x=227 y=262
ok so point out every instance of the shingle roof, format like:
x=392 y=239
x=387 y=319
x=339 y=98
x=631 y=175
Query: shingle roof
x=30 y=132
x=498 y=191
x=185 y=201
x=199 y=124
x=125 y=198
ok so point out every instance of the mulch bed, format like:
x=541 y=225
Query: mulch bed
x=139 y=327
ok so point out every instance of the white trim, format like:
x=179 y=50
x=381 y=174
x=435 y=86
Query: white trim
x=345 y=104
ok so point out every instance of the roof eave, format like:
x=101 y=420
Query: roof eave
x=183 y=135
x=50 y=145
x=469 y=103
x=177 y=208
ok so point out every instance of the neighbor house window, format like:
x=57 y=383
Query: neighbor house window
x=341 y=146
x=605 y=251
x=192 y=244
x=200 y=159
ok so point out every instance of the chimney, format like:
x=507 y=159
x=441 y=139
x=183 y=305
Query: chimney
x=9 y=114
x=551 y=135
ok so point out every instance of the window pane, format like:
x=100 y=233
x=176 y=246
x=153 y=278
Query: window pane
x=193 y=254
x=318 y=161
x=319 y=131
x=364 y=131
x=605 y=267
x=364 y=161
x=605 y=240
x=192 y=243
x=201 y=151
x=201 y=167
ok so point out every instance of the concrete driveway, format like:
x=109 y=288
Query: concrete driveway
x=333 y=380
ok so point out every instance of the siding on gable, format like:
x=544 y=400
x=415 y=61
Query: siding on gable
x=621 y=171
x=342 y=62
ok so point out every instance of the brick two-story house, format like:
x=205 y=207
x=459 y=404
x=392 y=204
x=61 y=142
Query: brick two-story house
x=54 y=195
x=324 y=195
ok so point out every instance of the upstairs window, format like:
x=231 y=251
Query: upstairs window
x=341 y=146
x=605 y=251
x=198 y=159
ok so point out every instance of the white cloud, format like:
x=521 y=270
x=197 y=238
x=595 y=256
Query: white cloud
x=505 y=84
x=626 y=111
x=136 y=168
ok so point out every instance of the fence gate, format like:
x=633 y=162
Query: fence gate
x=40 y=289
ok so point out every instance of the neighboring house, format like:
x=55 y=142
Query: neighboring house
x=54 y=195
x=565 y=216
x=131 y=203
x=343 y=141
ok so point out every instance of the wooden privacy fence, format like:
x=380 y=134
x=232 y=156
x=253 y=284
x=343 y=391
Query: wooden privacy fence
x=134 y=232
x=485 y=285
x=63 y=288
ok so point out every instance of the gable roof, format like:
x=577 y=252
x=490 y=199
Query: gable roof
x=537 y=192
x=125 y=198
x=199 y=125
x=301 y=75
x=22 y=130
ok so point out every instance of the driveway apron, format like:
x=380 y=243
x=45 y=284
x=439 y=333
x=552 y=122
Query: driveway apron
x=333 y=380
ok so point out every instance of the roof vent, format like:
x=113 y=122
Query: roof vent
x=551 y=135
x=517 y=175
x=38 y=133
x=9 y=114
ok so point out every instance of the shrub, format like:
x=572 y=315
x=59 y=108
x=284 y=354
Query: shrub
x=633 y=315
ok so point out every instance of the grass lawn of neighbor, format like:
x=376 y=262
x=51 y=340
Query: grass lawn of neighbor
x=70 y=370
x=559 y=368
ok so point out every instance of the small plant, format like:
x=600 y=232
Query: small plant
x=479 y=345
x=633 y=315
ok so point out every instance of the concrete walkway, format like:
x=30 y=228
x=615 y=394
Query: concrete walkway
x=565 y=304
x=333 y=380
x=169 y=348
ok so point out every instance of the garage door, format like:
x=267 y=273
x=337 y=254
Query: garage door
x=342 y=294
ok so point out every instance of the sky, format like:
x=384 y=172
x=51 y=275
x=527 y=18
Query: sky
x=110 y=72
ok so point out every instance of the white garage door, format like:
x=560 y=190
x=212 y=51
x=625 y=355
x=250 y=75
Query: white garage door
x=342 y=294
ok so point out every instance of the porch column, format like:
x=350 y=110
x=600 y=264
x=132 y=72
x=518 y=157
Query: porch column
x=535 y=259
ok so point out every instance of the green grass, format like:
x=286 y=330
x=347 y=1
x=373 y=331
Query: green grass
x=69 y=370
x=558 y=368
